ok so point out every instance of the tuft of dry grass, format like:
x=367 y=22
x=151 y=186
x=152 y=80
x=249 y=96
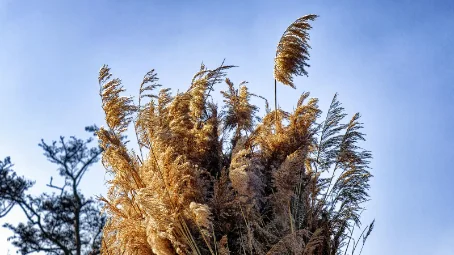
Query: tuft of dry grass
x=221 y=180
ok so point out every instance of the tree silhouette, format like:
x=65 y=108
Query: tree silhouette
x=64 y=222
x=12 y=187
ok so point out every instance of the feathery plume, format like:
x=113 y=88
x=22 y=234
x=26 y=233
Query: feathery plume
x=293 y=51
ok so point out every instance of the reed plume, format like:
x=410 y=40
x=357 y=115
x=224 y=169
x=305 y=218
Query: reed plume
x=293 y=51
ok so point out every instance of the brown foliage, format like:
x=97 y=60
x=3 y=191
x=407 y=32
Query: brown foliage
x=228 y=182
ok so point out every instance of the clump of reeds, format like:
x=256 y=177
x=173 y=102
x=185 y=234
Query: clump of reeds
x=221 y=180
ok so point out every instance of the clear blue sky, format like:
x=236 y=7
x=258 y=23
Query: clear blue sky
x=393 y=61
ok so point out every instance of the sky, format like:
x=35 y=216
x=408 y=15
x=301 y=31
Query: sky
x=392 y=61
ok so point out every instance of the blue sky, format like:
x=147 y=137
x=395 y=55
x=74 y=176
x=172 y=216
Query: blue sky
x=393 y=61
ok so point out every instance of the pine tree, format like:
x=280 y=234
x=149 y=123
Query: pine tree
x=64 y=222
x=12 y=186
